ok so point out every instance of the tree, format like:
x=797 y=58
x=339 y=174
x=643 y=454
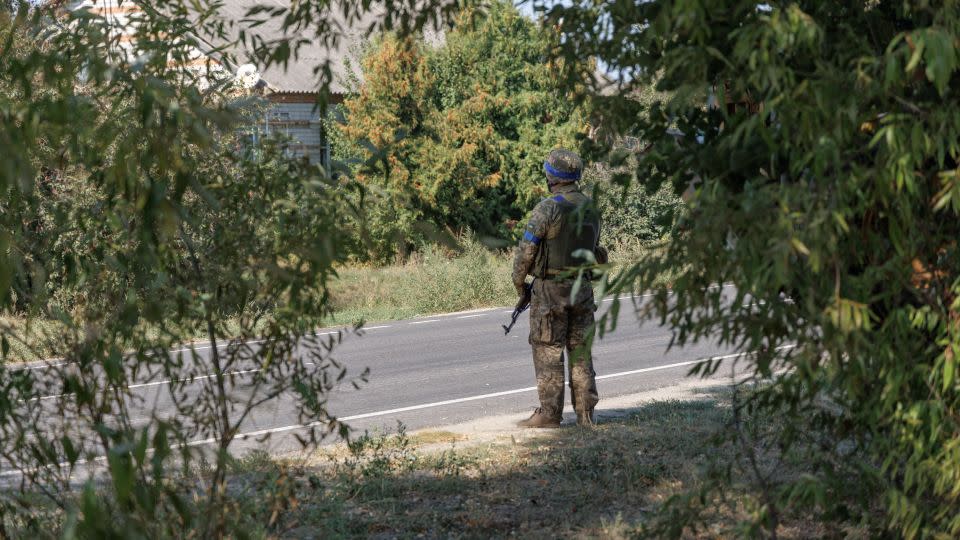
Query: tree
x=820 y=141
x=131 y=218
x=455 y=134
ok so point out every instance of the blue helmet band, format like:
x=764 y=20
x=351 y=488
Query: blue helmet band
x=560 y=174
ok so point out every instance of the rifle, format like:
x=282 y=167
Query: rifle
x=521 y=306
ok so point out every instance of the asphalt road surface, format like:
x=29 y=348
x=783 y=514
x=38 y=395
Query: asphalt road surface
x=447 y=369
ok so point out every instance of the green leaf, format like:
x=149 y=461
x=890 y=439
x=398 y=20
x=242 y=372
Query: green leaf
x=113 y=367
x=122 y=475
x=940 y=56
x=69 y=450
x=799 y=246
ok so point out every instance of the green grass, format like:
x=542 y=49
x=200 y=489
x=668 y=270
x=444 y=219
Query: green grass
x=431 y=282
x=434 y=282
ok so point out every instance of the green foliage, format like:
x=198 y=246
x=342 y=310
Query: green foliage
x=373 y=459
x=452 y=136
x=632 y=216
x=131 y=215
x=826 y=192
x=433 y=280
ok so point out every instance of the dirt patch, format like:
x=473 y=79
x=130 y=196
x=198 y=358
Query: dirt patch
x=503 y=428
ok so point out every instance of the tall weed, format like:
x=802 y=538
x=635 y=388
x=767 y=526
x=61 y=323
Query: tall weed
x=432 y=281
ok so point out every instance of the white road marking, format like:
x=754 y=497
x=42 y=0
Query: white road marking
x=158 y=383
x=189 y=349
x=47 y=366
x=18 y=472
x=192 y=379
x=201 y=347
x=221 y=346
x=270 y=431
x=257 y=341
x=455 y=313
x=189 y=379
x=680 y=364
x=629 y=297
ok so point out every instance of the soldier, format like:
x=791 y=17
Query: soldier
x=560 y=226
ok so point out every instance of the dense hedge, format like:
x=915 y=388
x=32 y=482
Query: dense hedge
x=825 y=190
x=452 y=137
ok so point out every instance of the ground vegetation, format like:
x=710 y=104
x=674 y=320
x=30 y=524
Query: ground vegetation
x=609 y=482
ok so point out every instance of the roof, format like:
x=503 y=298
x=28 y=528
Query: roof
x=342 y=49
x=341 y=46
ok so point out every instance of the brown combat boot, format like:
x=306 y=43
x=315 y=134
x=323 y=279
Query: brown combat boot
x=539 y=419
x=585 y=418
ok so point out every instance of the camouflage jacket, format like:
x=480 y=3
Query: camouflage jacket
x=544 y=223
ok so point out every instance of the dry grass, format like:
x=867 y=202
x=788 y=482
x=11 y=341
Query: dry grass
x=431 y=282
x=611 y=481
x=606 y=482
x=435 y=437
x=29 y=339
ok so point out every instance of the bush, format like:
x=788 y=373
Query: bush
x=130 y=216
x=451 y=138
x=821 y=141
x=633 y=217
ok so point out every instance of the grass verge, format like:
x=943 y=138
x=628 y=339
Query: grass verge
x=432 y=281
x=620 y=479
x=435 y=282
x=606 y=482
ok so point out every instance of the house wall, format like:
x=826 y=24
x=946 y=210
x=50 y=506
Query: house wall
x=300 y=122
x=295 y=115
x=290 y=112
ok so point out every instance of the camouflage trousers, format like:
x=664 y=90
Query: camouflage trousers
x=557 y=324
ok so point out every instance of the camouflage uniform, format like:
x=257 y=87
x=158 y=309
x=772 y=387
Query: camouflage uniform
x=556 y=322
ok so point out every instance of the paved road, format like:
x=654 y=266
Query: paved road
x=446 y=369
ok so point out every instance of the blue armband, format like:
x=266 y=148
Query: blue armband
x=530 y=237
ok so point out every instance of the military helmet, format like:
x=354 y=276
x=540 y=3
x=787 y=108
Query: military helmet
x=562 y=166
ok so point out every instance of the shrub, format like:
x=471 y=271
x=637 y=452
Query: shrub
x=131 y=218
x=821 y=138
x=452 y=137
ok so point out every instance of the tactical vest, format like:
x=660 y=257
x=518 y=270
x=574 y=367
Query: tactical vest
x=578 y=228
